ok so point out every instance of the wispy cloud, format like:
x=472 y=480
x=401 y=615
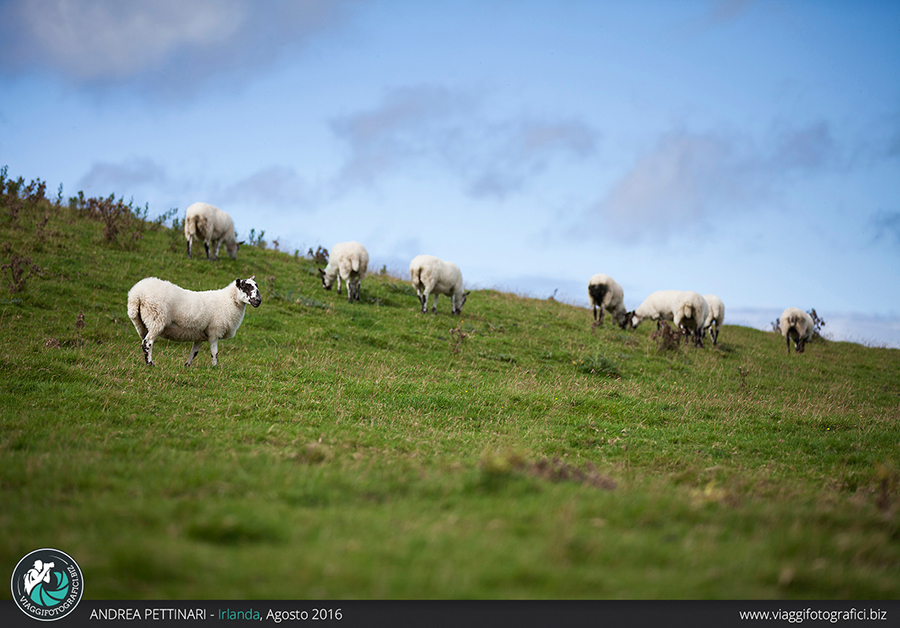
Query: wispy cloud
x=728 y=10
x=887 y=226
x=165 y=46
x=449 y=129
x=276 y=187
x=106 y=177
x=518 y=151
x=688 y=179
x=410 y=123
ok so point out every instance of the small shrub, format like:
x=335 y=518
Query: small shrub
x=256 y=240
x=320 y=256
x=457 y=340
x=160 y=221
x=19 y=270
x=818 y=323
x=667 y=338
x=123 y=223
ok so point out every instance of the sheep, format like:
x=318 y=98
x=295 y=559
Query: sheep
x=159 y=308
x=606 y=295
x=797 y=325
x=656 y=307
x=688 y=310
x=430 y=275
x=212 y=225
x=689 y=313
x=716 y=315
x=349 y=261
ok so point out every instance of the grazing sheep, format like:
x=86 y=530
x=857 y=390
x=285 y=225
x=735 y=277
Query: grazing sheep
x=689 y=313
x=430 y=275
x=688 y=310
x=349 y=261
x=606 y=295
x=798 y=326
x=161 y=309
x=716 y=316
x=656 y=307
x=212 y=225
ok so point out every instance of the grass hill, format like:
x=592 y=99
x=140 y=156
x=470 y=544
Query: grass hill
x=370 y=451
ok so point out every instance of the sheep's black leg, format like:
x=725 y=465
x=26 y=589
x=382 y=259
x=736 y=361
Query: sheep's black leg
x=195 y=349
x=147 y=347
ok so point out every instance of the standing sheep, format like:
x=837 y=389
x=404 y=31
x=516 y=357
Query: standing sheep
x=430 y=275
x=211 y=225
x=349 y=261
x=606 y=295
x=716 y=316
x=798 y=326
x=160 y=309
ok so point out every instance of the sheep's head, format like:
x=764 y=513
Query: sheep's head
x=458 y=307
x=248 y=291
x=232 y=248
x=631 y=320
x=326 y=280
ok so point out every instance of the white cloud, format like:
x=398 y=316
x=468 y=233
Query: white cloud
x=691 y=180
x=108 y=178
x=91 y=39
x=275 y=186
x=165 y=47
x=676 y=184
x=448 y=129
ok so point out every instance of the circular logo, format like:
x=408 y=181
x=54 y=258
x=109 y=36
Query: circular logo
x=47 y=584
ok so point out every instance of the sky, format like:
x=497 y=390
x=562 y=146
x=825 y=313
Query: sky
x=743 y=148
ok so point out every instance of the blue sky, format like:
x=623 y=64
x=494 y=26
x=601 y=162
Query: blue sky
x=745 y=148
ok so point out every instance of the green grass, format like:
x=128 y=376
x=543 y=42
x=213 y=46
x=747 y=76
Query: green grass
x=370 y=451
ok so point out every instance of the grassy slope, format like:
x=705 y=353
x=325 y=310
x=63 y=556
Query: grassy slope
x=369 y=451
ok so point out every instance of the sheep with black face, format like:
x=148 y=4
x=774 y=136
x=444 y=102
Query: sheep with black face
x=160 y=309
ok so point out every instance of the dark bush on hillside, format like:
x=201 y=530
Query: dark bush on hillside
x=667 y=338
x=123 y=224
x=319 y=256
x=19 y=270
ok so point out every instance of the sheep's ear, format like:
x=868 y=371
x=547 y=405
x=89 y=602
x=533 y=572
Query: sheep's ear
x=321 y=272
x=237 y=282
x=253 y=277
x=465 y=294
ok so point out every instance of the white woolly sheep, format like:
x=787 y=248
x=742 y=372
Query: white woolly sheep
x=430 y=275
x=688 y=310
x=656 y=307
x=161 y=309
x=348 y=261
x=716 y=316
x=689 y=313
x=606 y=295
x=798 y=326
x=212 y=225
